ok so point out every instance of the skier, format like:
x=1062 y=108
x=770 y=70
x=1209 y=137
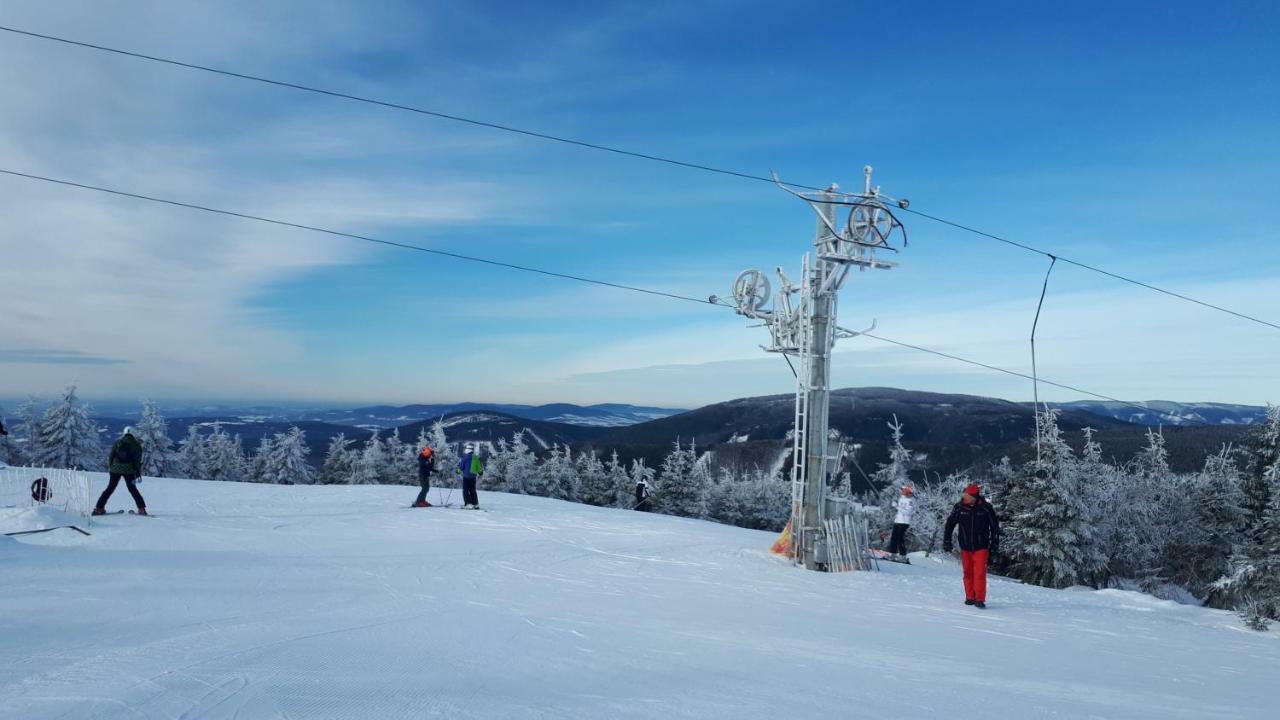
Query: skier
x=902 y=521
x=979 y=536
x=472 y=467
x=642 y=495
x=125 y=461
x=426 y=466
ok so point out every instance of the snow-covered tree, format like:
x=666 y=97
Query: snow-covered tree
x=28 y=431
x=759 y=500
x=372 y=461
x=1262 y=452
x=1254 y=576
x=1198 y=555
x=224 y=456
x=401 y=461
x=192 y=459
x=495 y=469
x=683 y=484
x=557 y=477
x=447 y=474
x=620 y=483
x=258 y=464
x=339 y=461
x=157 y=448
x=287 y=463
x=934 y=502
x=69 y=437
x=519 y=467
x=891 y=477
x=1135 y=536
x=1046 y=536
x=595 y=485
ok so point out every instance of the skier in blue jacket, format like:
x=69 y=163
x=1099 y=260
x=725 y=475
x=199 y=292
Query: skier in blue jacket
x=472 y=467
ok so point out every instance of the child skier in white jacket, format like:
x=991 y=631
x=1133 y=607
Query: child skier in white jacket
x=902 y=521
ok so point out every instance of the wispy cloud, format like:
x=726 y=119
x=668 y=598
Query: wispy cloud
x=56 y=357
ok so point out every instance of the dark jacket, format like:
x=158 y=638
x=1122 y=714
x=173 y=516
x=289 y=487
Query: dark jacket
x=642 y=492
x=3 y=432
x=126 y=457
x=426 y=466
x=979 y=526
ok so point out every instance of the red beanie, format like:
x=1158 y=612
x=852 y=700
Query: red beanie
x=973 y=490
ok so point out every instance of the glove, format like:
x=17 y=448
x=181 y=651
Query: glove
x=946 y=547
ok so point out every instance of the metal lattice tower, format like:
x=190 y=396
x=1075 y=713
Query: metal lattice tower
x=802 y=324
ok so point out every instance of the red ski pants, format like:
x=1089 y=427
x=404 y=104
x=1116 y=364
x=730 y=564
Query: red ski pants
x=975 y=574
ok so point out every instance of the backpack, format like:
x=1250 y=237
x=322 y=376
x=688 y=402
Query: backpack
x=123 y=454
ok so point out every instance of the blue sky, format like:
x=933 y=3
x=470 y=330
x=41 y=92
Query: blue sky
x=1137 y=140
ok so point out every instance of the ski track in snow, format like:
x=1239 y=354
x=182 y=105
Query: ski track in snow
x=252 y=601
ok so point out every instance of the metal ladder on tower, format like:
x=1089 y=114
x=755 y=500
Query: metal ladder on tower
x=800 y=443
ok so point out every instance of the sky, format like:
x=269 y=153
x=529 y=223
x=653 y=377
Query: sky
x=1138 y=141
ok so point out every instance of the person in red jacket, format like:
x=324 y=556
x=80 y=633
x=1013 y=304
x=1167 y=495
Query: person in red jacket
x=979 y=536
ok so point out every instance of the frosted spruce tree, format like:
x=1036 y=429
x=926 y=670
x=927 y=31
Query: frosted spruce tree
x=259 y=465
x=1099 y=481
x=495 y=469
x=339 y=461
x=447 y=474
x=157 y=449
x=934 y=502
x=372 y=462
x=1254 y=572
x=1046 y=536
x=891 y=477
x=620 y=483
x=224 y=456
x=1133 y=540
x=28 y=431
x=596 y=487
x=192 y=459
x=287 y=464
x=401 y=466
x=1262 y=452
x=1205 y=548
x=561 y=474
x=521 y=466
x=68 y=436
x=682 y=484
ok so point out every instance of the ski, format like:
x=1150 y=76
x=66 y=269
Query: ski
x=888 y=557
x=415 y=507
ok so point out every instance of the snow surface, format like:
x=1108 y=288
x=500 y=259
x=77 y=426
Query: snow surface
x=261 y=601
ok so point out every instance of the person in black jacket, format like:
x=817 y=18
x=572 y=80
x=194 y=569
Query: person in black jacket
x=979 y=536
x=125 y=461
x=642 y=496
x=426 y=466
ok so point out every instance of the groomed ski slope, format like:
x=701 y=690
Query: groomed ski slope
x=257 y=601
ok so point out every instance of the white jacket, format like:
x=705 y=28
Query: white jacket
x=906 y=506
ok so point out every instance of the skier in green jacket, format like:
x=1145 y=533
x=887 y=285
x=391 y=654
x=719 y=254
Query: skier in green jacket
x=125 y=462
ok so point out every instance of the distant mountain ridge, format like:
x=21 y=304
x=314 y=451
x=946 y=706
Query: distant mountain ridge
x=602 y=415
x=1176 y=414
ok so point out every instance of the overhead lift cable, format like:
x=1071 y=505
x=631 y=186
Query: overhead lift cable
x=609 y=149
